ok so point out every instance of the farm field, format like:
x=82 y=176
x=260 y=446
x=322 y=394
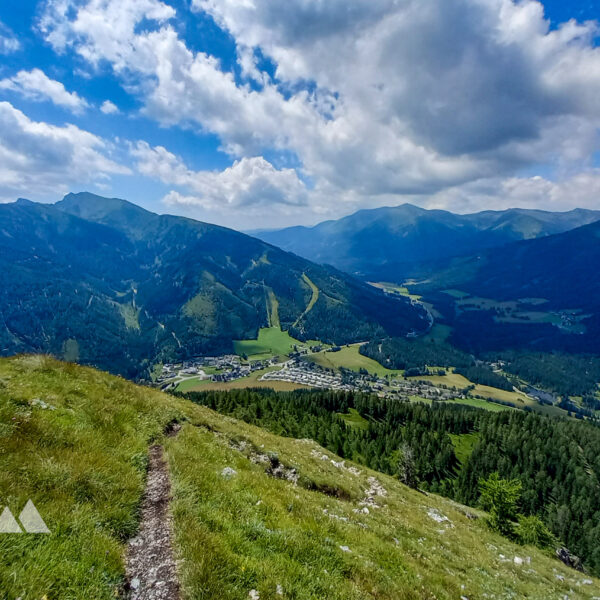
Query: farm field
x=457 y=381
x=245 y=382
x=456 y=294
x=271 y=341
x=393 y=288
x=484 y=404
x=350 y=358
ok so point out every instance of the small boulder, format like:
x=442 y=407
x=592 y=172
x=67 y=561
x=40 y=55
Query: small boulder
x=569 y=559
x=228 y=473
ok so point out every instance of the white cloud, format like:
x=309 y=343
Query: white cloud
x=377 y=99
x=36 y=85
x=581 y=190
x=8 y=42
x=248 y=183
x=105 y=29
x=109 y=108
x=38 y=160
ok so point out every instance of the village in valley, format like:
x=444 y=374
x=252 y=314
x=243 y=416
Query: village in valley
x=303 y=368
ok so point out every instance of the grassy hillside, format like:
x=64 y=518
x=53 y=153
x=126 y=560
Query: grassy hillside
x=76 y=442
x=271 y=341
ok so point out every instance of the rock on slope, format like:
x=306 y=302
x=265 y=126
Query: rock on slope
x=76 y=441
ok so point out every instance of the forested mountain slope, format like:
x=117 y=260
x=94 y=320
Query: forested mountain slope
x=108 y=283
x=385 y=244
x=542 y=293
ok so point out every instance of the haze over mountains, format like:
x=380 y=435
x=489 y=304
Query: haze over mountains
x=106 y=282
x=387 y=243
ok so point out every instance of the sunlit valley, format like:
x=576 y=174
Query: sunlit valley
x=324 y=323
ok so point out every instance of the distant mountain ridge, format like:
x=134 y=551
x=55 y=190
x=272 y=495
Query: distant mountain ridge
x=387 y=243
x=554 y=277
x=561 y=268
x=105 y=282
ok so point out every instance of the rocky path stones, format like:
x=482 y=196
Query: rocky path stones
x=151 y=567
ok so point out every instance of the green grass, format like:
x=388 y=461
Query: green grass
x=313 y=299
x=131 y=316
x=393 y=288
x=439 y=333
x=271 y=341
x=463 y=445
x=355 y=419
x=193 y=383
x=456 y=381
x=83 y=465
x=420 y=399
x=256 y=532
x=350 y=358
x=478 y=403
x=315 y=292
x=252 y=381
x=273 y=309
x=456 y=294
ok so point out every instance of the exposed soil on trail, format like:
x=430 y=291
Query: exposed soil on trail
x=151 y=567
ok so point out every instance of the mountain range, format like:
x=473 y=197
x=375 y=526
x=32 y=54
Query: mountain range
x=105 y=282
x=392 y=243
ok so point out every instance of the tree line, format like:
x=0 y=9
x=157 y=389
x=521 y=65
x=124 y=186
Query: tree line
x=556 y=461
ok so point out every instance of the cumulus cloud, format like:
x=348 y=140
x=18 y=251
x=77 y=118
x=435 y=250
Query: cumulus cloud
x=375 y=98
x=40 y=160
x=248 y=183
x=462 y=76
x=581 y=190
x=8 y=42
x=36 y=85
x=109 y=108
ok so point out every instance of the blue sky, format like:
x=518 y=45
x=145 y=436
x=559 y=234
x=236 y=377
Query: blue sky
x=267 y=114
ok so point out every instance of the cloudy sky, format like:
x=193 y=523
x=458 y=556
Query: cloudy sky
x=263 y=113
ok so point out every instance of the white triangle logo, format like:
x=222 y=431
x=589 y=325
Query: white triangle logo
x=8 y=524
x=31 y=519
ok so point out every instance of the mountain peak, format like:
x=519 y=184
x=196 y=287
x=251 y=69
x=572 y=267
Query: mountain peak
x=88 y=205
x=23 y=202
x=114 y=212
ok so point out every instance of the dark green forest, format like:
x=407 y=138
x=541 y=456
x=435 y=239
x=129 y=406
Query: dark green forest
x=564 y=374
x=484 y=376
x=557 y=461
x=403 y=353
